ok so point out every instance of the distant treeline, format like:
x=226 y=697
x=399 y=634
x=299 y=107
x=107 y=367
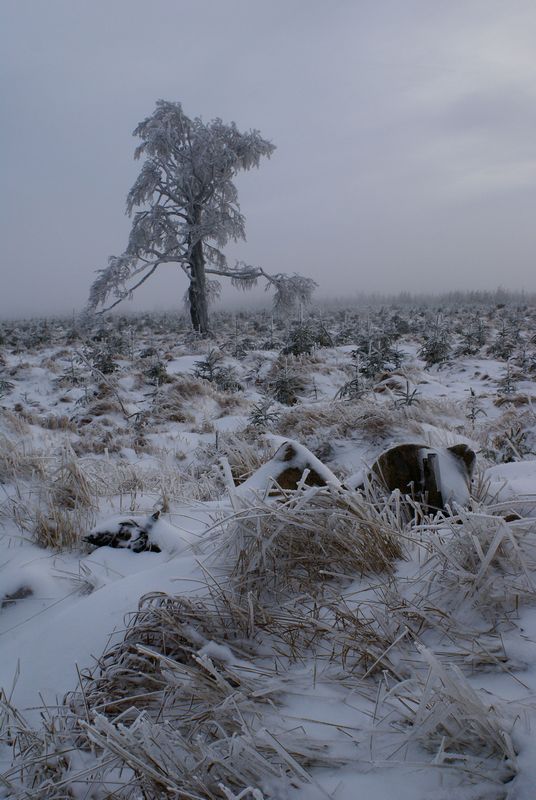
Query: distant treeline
x=499 y=296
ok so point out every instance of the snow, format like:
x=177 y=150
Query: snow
x=215 y=650
x=452 y=483
x=302 y=459
x=76 y=628
x=513 y=480
x=69 y=605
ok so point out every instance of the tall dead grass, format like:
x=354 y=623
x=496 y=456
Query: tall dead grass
x=305 y=539
x=188 y=703
x=479 y=560
x=18 y=460
x=372 y=420
x=439 y=710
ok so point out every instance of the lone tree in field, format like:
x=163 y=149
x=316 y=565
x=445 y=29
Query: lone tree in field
x=189 y=210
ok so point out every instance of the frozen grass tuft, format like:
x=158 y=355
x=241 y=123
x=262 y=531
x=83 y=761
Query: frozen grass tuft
x=165 y=638
x=17 y=460
x=308 y=537
x=481 y=561
x=446 y=716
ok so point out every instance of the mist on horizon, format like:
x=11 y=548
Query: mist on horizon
x=405 y=155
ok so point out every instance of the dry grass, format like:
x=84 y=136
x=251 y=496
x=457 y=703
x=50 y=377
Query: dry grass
x=190 y=703
x=344 y=638
x=481 y=561
x=54 y=516
x=57 y=422
x=106 y=405
x=174 y=402
x=101 y=436
x=187 y=704
x=309 y=537
x=18 y=461
x=63 y=508
x=168 y=633
x=231 y=403
x=223 y=766
x=245 y=453
x=180 y=708
x=70 y=485
x=188 y=389
x=340 y=418
x=42 y=756
x=514 y=401
x=373 y=421
x=14 y=422
x=508 y=437
x=57 y=528
x=448 y=717
x=52 y=499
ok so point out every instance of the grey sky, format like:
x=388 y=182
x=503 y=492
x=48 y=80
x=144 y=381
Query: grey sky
x=405 y=132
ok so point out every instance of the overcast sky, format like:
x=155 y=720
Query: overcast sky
x=405 y=134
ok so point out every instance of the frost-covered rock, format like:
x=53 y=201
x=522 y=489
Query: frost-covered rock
x=139 y=534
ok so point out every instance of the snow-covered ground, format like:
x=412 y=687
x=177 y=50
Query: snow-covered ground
x=311 y=672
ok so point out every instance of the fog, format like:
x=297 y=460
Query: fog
x=406 y=155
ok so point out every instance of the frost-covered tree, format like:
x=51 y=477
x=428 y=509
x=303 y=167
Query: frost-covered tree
x=187 y=212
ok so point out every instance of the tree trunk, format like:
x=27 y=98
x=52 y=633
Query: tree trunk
x=197 y=292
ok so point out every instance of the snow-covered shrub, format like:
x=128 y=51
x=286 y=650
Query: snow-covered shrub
x=474 y=408
x=507 y=383
x=101 y=356
x=305 y=336
x=157 y=373
x=263 y=414
x=355 y=388
x=472 y=337
x=376 y=351
x=209 y=367
x=5 y=386
x=437 y=347
x=285 y=381
x=212 y=369
x=506 y=338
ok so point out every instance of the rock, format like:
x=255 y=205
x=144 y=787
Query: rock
x=436 y=477
x=19 y=594
x=133 y=534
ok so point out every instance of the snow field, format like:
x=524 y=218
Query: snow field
x=299 y=646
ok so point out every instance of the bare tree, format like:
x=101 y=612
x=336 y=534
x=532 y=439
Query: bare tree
x=189 y=210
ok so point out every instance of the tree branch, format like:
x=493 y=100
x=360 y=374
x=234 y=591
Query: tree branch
x=145 y=277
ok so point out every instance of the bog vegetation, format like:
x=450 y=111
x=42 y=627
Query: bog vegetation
x=325 y=597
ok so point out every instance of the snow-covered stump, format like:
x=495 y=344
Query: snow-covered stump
x=292 y=467
x=437 y=478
